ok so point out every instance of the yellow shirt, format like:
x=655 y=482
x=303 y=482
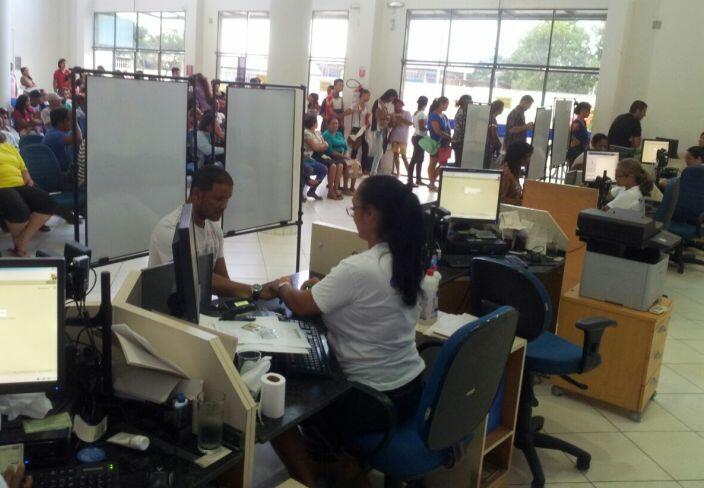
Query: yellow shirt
x=11 y=167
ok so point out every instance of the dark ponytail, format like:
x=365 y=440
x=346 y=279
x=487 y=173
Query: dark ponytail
x=437 y=102
x=401 y=227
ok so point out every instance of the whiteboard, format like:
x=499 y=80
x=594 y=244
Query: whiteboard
x=136 y=161
x=561 y=132
x=541 y=134
x=475 y=133
x=263 y=155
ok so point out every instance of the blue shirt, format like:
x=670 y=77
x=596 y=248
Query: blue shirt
x=442 y=122
x=54 y=138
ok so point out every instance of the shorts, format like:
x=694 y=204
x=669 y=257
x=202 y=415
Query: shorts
x=398 y=147
x=18 y=203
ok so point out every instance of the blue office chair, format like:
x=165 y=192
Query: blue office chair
x=28 y=139
x=688 y=217
x=496 y=283
x=458 y=394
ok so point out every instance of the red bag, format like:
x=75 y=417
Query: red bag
x=444 y=154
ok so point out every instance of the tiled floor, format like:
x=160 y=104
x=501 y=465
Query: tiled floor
x=665 y=450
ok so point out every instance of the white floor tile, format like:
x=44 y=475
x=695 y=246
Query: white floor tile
x=687 y=408
x=568 y=414
x=672 y=382
x=692 y=484
x=557 y=467
x=655 y=419
x=678 y=453
x=694 y=373
x=682 y=328
x=680 y=352
x=637 y=484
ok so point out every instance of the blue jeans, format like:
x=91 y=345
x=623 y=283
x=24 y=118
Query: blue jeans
x=313 y=168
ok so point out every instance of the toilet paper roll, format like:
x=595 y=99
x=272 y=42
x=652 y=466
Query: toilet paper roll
x=273 y=396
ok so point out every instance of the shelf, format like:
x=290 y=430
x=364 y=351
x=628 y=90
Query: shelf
x=499 y=479
x=496 y=437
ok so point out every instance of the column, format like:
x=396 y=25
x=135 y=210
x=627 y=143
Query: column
x=289 y=41
x=5 y=52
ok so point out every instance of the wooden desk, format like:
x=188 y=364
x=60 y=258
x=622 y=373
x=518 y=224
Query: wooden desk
x=631 y=352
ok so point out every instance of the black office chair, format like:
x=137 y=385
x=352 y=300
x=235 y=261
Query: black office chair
x=497 y=283
x=687 y=220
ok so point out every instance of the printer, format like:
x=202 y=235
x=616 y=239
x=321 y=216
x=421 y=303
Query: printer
x=626 y=260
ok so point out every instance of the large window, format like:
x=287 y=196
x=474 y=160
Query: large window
x=152 y=42
x=328 y=49
x=243 y=46
x=492 y=54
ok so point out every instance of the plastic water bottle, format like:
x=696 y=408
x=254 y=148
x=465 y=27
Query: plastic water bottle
x=429 y=301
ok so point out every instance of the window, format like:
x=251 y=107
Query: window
x=328 y=49
x=152 y=42
x=243 y=46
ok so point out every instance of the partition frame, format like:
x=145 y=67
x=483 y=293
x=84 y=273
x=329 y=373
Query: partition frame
x=468 y=132
x=78 y=71
x=533 y=171
x=556 y=168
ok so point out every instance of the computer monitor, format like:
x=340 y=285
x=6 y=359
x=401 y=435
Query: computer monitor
x=31 y=324
x=674 y=146
x=649 y=150
x=185 y=253
x=470 y=194
x=596 y=162
x=623 y=151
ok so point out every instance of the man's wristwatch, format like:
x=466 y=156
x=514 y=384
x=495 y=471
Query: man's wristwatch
x=256 y=292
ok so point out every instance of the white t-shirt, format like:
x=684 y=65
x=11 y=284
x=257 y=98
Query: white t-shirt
x=416 y=124
x=209 y=239
x=631 y=199
x=371 y=330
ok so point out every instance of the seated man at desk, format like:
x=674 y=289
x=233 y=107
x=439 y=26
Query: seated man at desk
x=370 y=306
x=600 y=142
x=211 y=190
x=694 y=156
x=632 y=183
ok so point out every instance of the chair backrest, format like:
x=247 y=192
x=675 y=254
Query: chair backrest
x=690 y=203
x=669 y=202
x=28 y=139
x=495 y=283
x=465 y=377
x=43 y=166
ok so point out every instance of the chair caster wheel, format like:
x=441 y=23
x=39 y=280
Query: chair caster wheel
x=635 y=416
x=557 y=391
x=583 y=463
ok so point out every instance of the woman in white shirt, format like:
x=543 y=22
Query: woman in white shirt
x=370 y=305
x=420 y=130
x=632 y=184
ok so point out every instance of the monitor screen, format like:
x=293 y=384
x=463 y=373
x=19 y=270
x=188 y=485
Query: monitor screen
x=470 y=194
x=31 y=324
x=597 y=162
x=185 y=251
x=649 y=152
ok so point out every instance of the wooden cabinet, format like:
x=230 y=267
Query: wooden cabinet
x=631 y=352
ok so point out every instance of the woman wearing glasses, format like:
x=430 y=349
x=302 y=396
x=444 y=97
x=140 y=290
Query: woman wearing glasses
x=370 y=305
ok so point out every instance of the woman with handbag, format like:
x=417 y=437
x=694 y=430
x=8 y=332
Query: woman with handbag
x=439 y=128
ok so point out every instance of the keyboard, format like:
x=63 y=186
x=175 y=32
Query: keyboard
x=101 y=475
x=458 y=260
x=315 y=363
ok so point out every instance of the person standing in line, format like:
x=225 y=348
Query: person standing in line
x=626 y=129
x=420 y=130
x=26 y=80
x=493 y=141
x=439 y=128
x=579 y=140
x=401 y=120
x=381 y=111
x=313 y=107
x=516 y=127
x=62 y=78
x=460 y=122
x=360 y=118
x=335 y=106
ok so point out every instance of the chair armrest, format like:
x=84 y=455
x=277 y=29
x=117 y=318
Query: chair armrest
x=389 y=411
x=593 y=328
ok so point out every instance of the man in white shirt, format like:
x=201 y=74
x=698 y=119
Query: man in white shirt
x=54 y=102
x=211 y=190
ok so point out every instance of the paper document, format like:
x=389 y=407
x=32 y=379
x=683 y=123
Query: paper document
x=52 y=422
x=11 y=455
x=266 y=334
x=144 y=384
x=447 y=324
x=359 y=133
x=140 y=352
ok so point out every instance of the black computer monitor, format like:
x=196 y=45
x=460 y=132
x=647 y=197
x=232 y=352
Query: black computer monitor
x=470 y=194
x=624 y=152
x=185 y=253
x=596 y=162
x=31 y=325
x=159 y=287
x=649 y=150
x=673 y=146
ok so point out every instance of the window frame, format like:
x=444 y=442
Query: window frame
x=220 y=53
x=326 y=14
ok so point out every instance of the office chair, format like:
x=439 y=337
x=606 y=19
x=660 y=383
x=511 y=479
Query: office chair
x=667 y=206
x=28 y=139
x=497 y=283
x=688 y=215
x=458 y=393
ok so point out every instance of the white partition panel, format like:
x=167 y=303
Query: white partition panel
x=561 y=131
x=540 y=140
x=475 y=133
x=136 y=161
x=264 y=137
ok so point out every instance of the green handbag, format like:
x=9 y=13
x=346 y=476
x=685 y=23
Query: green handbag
x=429 y=145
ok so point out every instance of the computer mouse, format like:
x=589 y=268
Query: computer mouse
x=160 y=478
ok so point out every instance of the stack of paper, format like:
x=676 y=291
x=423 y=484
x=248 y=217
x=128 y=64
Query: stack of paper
x=148 y=375
x=447 y=324
x=267 y=334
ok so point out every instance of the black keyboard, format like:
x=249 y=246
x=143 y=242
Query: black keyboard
x=102 y=475
x=315 y=363
x=458 y=260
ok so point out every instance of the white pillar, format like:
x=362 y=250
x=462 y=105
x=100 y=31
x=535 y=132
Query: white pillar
x=289 y=41
x=5 y=52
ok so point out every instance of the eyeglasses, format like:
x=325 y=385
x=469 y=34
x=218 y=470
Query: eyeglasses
x=351 y=209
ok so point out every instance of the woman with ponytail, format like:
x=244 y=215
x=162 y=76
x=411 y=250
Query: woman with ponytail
x=632 y=183
x=370 y=304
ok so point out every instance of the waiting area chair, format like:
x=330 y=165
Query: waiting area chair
x=28 y=139
x=497 y=283
x=458 y=393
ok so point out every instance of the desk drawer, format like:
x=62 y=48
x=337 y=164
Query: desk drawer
x=649 y=388
x=657 y=349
